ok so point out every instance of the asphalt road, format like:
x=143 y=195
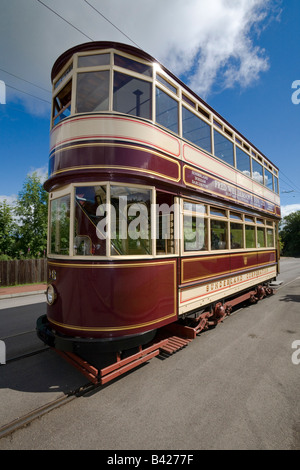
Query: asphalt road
x=233 y=387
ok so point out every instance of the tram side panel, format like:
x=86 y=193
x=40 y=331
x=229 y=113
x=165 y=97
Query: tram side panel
x=113 y=299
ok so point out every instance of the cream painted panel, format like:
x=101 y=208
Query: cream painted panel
x=208 y=163
x=196 y=297
x=115 y=127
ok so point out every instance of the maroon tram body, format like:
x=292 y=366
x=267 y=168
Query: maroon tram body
x=129 y=137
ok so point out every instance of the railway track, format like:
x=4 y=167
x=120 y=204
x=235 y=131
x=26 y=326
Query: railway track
x=28 y=418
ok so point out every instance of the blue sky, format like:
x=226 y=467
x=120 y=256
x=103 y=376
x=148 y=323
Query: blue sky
x=241 y=56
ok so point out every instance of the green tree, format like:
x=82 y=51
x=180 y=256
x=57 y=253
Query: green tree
x=8 y=228
x=32 y=212
x=290 y=234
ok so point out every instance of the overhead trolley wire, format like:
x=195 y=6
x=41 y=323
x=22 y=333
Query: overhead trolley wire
x=24 y=80
x=62 y=18
x=26 y=93
x=110 y=22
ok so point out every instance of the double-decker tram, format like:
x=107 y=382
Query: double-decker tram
x=160 y=212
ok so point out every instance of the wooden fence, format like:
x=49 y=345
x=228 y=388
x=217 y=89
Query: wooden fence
x=23 y=271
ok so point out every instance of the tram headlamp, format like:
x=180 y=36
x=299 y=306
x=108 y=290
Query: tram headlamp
x=50 y=294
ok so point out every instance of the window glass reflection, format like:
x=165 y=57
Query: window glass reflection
x=60 y=225
x=223 y=148
x=196 y=130
x=92 y=91
x=132 y=96
x=166 y=111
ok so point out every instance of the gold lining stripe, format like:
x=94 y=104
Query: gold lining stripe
x=110 y=265
x=113 y=328
x=103 y=144
x=266 y=275
x=183 y=261
x=115 y=167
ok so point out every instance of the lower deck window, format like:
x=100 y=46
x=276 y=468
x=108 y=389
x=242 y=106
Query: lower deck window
x=60 y=225
x=195 y=233
x=89 y=237
x=112 y=219
x=236 y=236
x=270 y=237
x=250 y=236
x=218 y=233
x=130 y=221
x=261 y=242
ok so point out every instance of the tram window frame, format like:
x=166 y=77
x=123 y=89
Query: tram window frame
x=195 y=218
x=261 y=231
x=270 y=242
x=136 y=244
x=56 y=198
x=226 y=155
x=104 y=103
x=268 y=174
x=144 y=109
x=276 y=185
x=166 y=83
x=58 y=107
x=243 y=161
x=166 y=225
x=236 y=242
x=89 y=240
x=219 y=232
x=257 y=168
x=91 y=60
x=166 y=123
x=132 y=65
x=250 y=241
x=189 y=134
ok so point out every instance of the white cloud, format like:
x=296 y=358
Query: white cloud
x=10 y=200
x=288 y=209
x=210 y=41
x=42 y=173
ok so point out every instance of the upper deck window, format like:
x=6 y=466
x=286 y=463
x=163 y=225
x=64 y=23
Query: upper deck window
x=166 y=83
x=257 y=171
x=62 y=103
x=132 y=96
x=223 y=148
x=243 y=162
x=63 y=76
x=94 y=60
x=92 y=91
x=276 y=188
x=166 y=111
x=195 y=130
x=133 y=65
x=268 y=179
